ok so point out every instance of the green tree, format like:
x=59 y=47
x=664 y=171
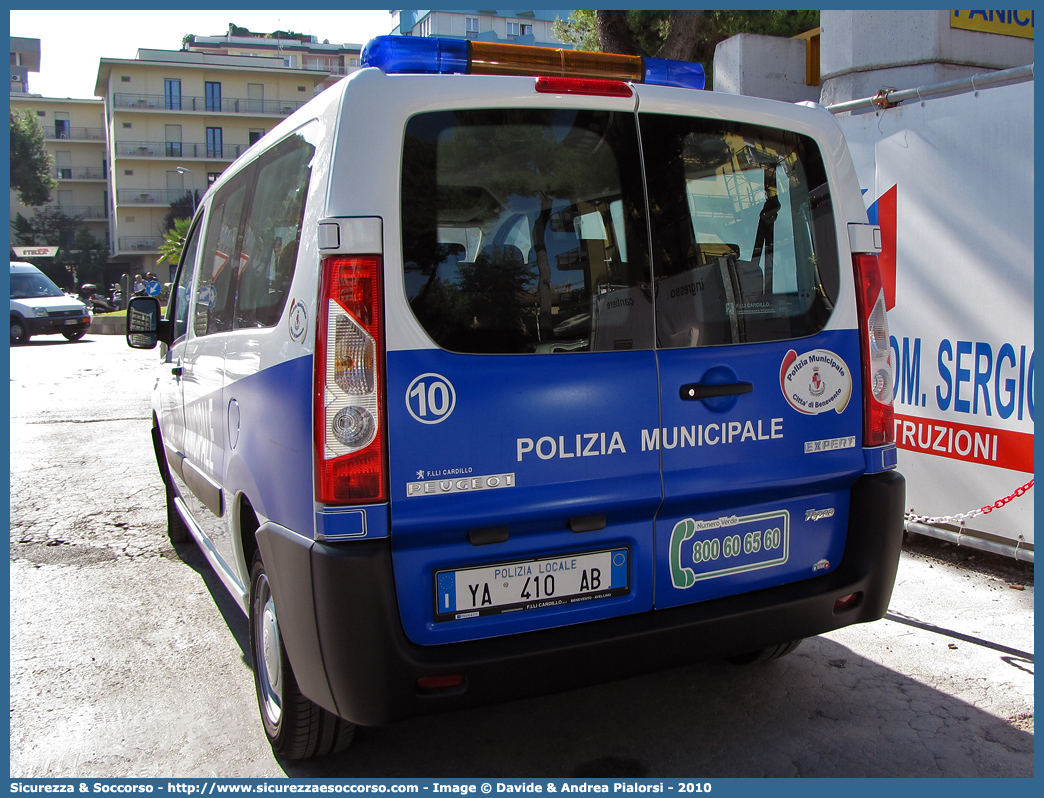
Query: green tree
x=286 y=34
x=181 y=208
x=578 y=30
x=684 y=35
x=174 y=242
x=88 y=255
x=48 y=226
x=78 y=249
x=32 y=170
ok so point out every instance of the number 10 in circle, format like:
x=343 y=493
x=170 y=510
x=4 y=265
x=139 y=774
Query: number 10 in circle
x=430 y=398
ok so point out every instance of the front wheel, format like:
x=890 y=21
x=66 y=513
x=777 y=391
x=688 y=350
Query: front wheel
x=177 y=531
x=296 y=727
x=18 y=333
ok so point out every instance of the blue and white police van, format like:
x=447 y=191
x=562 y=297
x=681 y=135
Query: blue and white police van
x=496 y=370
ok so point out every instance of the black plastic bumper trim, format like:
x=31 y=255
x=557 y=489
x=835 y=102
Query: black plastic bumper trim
x=369 y=669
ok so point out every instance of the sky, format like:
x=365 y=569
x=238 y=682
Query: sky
x=73 y=41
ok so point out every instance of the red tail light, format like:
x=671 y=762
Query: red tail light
x=349 y=383
x=878 y=368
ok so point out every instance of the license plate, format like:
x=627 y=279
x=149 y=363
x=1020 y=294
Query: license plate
x=530 y=584
x=72 y=321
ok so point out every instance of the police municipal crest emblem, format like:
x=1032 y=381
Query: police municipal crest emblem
x=817 y=387
x=816 y=381
x=298 y=320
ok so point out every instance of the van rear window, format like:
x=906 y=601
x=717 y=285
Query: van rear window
x=526 y=231
x=516 y=221
x=744 y=247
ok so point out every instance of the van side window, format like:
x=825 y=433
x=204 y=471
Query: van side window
x=524 y=231
x=272 y=231
x=180 y=295
x=215 y=292
x=743 y=236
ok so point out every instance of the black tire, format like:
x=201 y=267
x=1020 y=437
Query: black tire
x=19 y=335
x=177 y=531
x=765 y=654
x=297 y=728
x=74 y=336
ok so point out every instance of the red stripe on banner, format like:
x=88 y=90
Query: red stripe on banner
x=886 y=217
x=996 y=447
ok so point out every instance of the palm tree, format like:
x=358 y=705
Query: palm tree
x=173 y=241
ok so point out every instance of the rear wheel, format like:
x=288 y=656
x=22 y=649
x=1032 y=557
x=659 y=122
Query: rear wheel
x=18 y=333
x=296 y=727
x=765 y=654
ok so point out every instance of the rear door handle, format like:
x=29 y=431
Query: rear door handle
x=698 y=391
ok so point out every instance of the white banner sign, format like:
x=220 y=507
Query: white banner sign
x=34 y=252
x=950 y=181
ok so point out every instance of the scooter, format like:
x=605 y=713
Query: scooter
x=96 y=302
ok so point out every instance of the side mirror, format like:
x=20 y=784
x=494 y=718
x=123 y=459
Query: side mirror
x=143 y=322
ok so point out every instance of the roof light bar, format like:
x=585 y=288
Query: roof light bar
x=420 y=55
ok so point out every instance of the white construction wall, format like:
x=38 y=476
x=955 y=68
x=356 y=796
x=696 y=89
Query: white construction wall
x=862 y=52
x=951 y=183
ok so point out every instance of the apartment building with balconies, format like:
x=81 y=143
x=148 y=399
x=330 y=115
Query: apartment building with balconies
x=25 y=58
x=74 y=137
x=168 y=122
x=174 y=120
x=521 y=27
x=296 y=51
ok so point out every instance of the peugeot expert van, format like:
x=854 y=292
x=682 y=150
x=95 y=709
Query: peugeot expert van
x=39 y=307
x=498 y=370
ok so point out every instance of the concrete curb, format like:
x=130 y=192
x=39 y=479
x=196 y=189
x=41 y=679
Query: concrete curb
x=111 y=325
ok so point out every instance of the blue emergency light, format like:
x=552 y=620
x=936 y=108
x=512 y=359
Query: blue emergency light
x=434 y=56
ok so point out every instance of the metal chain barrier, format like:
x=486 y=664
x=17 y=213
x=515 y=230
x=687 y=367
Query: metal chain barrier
x=960 y=518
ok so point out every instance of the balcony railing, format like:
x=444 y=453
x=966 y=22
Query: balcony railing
x=76 y=134
x=138 y=243
x=80 y=173
x=239 y=105
x=150 y=196
x=85 y=212
x=336 y=69
x=178 y=149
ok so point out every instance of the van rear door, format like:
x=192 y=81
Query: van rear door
x=520 y=497
x=760 y=434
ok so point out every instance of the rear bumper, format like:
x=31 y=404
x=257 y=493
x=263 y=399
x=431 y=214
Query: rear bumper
x=350 y=655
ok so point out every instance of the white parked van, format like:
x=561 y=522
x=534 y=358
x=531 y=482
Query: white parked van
x=479 y=386
x=39 y=307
